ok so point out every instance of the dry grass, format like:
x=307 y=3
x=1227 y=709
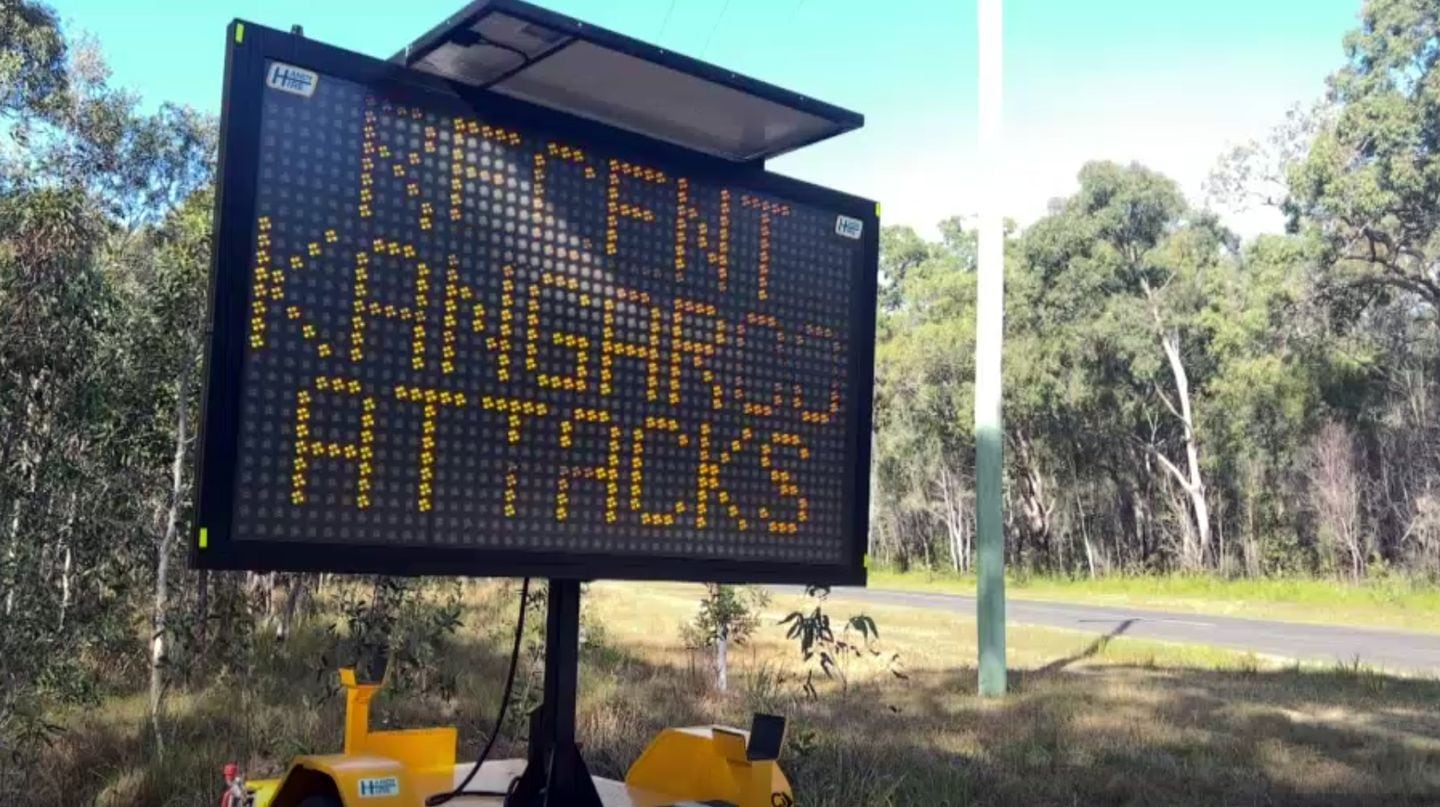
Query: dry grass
x=1405 y=603
x=1116 y=721
x=1088 y=722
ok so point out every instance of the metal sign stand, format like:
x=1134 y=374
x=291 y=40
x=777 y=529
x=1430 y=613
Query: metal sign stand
x=555 y=773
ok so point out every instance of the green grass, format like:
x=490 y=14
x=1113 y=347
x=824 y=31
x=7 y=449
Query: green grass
x=1400 y=603
x=1088 y=721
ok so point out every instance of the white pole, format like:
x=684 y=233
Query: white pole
x=990 y=330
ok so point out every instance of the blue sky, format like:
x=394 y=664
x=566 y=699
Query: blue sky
x=1166 y=82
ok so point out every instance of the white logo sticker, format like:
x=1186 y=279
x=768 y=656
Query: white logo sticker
x=848 y=227
x=384 y=787
x=291 y=79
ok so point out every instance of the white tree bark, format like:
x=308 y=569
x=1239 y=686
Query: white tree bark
x=1336 y=498
x=954 y=512
x=158 y=646
x=10 y=572
x=1085 y=536
x=66 y=557
x=1190 y=480
x=722 y=663
x=1195 y=485
x=294 y=590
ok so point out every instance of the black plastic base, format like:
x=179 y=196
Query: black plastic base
x=561 y=779
x=555 y=772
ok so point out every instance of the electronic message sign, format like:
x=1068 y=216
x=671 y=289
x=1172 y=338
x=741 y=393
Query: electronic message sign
x=457 y=334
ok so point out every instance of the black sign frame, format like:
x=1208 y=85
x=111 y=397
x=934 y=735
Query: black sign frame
x=249 y=47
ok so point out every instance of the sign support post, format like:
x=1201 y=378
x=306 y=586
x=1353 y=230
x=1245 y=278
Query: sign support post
x=556 y=772
x=990 y=331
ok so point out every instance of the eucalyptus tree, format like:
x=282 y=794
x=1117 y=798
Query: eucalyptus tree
x=1119 y=267
x=100 y=279
x=1370 y=184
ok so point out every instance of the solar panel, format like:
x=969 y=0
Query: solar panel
x=533 y=54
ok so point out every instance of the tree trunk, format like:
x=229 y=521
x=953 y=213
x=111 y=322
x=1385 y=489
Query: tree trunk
x=954 y=551
x=967 y=544
x=293 y=593
x=1195 y=487
x=202 y=611
x=1035 y=506
x=1251 y=548
x=1191 y=481
x=11 y=572
x=1144 y=524
x=269 y=596
x=158 y=646
x=722 y=666
x=16 y=428
x=66 y=557
x=1085 y=536
x=953 y=512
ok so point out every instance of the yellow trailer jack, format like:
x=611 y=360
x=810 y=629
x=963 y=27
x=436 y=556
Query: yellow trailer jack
x=701 y=765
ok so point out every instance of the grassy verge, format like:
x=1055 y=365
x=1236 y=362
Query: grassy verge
x=1089 y=721
x=1389 y=603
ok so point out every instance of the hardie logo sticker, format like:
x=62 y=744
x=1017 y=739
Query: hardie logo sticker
x=383 y=787
x=848 y=227
x=291 y=79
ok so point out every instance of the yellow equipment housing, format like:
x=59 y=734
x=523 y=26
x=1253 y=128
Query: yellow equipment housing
x=709 y=763
x=681 y=766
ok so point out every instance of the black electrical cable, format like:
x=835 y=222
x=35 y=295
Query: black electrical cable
x=525 y=61
x=442 y=798
x=490 y=43
x=510 y=791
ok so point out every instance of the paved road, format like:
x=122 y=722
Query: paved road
x=1395 y=650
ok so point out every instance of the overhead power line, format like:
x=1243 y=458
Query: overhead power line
x=793 y=11
x=665 y=23
x=715 y=27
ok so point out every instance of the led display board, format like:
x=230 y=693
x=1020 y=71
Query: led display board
x=453 y=333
